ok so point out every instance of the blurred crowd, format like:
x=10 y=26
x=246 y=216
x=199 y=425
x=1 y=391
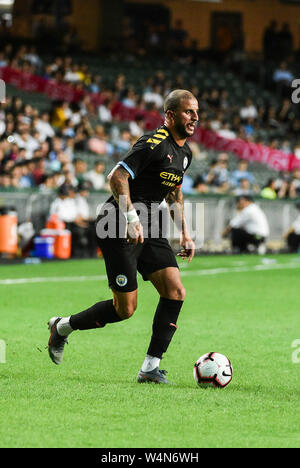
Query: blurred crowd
x=33 y=153
x=42 y=148
x=218 y=179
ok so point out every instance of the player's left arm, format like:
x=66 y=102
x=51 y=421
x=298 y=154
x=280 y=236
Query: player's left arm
x=175 y=203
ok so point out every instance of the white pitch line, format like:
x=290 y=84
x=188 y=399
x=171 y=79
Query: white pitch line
x=219 y=271
x=52 y=279
x=208 y=272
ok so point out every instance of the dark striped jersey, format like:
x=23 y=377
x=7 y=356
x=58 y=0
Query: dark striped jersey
x=156 y=164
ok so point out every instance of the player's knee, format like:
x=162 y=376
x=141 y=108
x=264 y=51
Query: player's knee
x=125 y=311
x=180 y=293
x=177 y=293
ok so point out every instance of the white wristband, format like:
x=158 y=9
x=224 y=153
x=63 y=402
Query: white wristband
x=132 y=216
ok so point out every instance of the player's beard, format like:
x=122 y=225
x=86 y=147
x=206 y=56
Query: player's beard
x=181 y=131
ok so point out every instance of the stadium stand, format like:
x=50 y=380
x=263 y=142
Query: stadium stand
x=110 y=102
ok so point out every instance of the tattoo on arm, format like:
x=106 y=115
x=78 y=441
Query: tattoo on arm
x=176 y=205
x=120 y=186
x=175 y=197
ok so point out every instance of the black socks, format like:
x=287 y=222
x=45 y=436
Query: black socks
x=164 y=326
x=163 y=329
x=96 y=316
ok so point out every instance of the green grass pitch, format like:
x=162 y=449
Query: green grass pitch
x=246 y=307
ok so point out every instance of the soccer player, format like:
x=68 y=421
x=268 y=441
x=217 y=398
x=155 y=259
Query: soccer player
x=151 y=172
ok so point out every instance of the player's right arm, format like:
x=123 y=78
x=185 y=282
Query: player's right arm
x=141 y=155
x=119 y=184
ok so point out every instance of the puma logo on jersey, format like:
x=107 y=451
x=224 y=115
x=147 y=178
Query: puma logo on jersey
x=170 y=158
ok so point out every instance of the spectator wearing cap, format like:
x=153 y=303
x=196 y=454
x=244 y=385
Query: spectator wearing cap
x=248 y=228
x=292 y=237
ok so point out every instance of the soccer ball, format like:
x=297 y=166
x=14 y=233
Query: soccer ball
x=213 y=370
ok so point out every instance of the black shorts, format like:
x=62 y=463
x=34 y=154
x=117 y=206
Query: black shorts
x=123 y=260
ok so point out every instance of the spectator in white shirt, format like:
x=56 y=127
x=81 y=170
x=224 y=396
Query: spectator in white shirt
x=154 y=96
x=66 y=207
x=73 y=75
x=292 y=237
x=104 y=111
x=96 y=176
x=43 y=126
x=249 y=227
x=2 y=127
x=26 y=141
x=83 y=208
x=248 y=110
x=226 y=132
x=137 y=127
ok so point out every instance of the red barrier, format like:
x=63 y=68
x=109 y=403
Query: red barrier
x=275 y=159
x=38 y=84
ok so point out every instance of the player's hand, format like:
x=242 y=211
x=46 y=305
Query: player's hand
x=188 y=250
x=135 y=233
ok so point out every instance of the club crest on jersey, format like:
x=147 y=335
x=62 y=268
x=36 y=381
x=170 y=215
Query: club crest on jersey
x=121 y=280
x=185 y=162
x=170 y=158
